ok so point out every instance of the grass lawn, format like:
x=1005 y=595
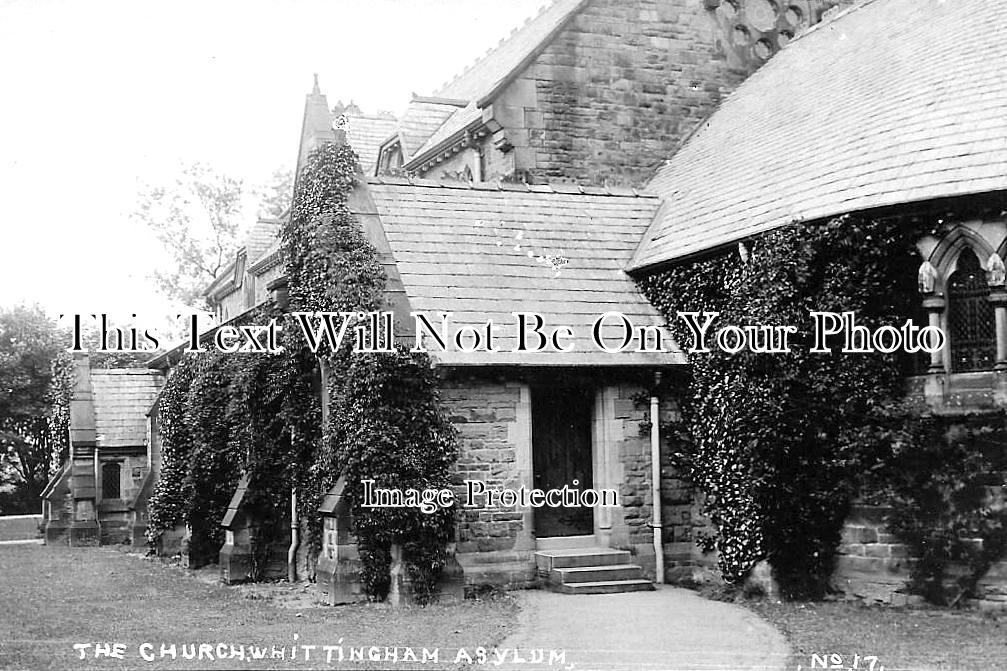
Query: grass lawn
x=19 y=527
x=54 y=597
x=901 y=638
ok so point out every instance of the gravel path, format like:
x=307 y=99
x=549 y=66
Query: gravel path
x=666 y=630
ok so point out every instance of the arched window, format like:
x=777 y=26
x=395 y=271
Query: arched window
x=110 y=476
x=971 y=324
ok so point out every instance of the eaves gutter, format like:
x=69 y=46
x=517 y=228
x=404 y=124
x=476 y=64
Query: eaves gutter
x=475 y=129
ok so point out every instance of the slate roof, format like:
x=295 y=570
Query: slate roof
x=459 y=120
x=122 y=398
x=275 y=247
x=365 y=134
x=464 y=248
x=511 y=54
x=893 y=101
x=261 y=240
x=483 y=77
x=260 y=237
x=421 y=119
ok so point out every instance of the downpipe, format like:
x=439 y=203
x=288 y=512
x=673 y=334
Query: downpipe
x=292 y=551
x=655 y=481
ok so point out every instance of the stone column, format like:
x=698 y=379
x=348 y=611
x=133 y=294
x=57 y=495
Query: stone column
x=601 y=450
x=936 y=372
x=998 y=297
x=520 y=438
x=84 y=526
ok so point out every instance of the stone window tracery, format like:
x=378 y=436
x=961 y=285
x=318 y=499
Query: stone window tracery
x=756 y=29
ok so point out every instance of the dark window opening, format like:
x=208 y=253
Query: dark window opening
x=110 y=476
x=971 y=321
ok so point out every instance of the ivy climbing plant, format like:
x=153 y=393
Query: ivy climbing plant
x=385 y=421
x=778 y=443
x=220 y=416
x=942 y=481
x=224 y=415
x=167 y=504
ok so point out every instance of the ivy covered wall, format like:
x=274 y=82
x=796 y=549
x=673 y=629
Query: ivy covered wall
x=225 y=415
x=780 y=445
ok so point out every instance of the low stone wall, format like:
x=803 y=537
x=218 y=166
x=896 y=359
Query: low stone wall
x=685 y=562
x=173 y=542
x=993 y=588
x=19 y=527
x=116 y=527
x=872 y=565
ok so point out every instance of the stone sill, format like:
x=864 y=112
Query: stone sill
x=960 y=394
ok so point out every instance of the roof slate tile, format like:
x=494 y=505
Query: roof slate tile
x=894 y=101
x=122 y=398
x=467 y=252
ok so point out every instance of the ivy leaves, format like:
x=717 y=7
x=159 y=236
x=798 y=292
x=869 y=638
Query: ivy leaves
x=767 y=437
x=385 y=421
x=224 y=415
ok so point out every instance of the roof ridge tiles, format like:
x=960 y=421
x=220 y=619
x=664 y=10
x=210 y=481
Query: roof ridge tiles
x=521 y=187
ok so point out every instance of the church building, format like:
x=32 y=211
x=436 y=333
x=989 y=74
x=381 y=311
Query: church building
x=606 y=140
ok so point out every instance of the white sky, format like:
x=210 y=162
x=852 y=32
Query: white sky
x=99 y=96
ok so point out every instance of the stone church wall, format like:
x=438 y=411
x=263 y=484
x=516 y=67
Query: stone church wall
x=485 y=415
x=615 y=93
x=873 y=566
x=492 y=417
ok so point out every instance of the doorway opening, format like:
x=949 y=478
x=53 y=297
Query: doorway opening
x=561 y=456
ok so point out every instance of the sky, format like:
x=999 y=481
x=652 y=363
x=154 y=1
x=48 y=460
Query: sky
x=98 y=98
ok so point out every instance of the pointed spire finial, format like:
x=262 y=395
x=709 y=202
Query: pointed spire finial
x=315 y=90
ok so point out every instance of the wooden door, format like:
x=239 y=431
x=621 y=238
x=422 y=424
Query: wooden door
x=561 y=456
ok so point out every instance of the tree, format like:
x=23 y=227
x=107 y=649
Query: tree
x=275 y=196
x=197 y=221
x=36 y=382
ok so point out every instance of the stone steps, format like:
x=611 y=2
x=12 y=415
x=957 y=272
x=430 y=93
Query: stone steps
x=115 y=532
x=596 y=573
x=546 y=560
x=605 y=587
x=591 y=570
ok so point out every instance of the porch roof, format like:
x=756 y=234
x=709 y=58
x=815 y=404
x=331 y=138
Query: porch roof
x=484 y=251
